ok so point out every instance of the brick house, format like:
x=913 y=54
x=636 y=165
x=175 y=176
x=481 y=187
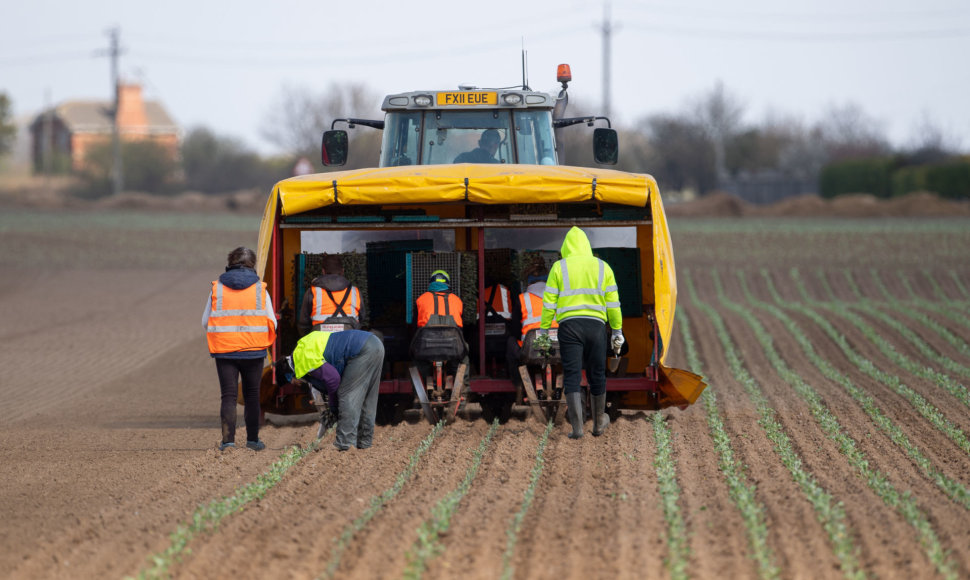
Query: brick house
x=74 y=127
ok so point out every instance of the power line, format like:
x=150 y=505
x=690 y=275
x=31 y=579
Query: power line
x=868 y=16
x=44 y=58
x=787 y=36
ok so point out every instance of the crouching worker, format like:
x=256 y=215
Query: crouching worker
x=356 y=357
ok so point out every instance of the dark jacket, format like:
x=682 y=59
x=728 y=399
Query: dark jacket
x=343 y=346
x=477 y=155
x=332 y=282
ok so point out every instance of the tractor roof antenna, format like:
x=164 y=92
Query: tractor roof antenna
x=525 y=68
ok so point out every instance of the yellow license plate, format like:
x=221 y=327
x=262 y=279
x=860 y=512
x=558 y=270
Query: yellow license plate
x=467 y=98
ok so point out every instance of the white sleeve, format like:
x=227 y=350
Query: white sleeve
x=269 y=308
x=207 y=312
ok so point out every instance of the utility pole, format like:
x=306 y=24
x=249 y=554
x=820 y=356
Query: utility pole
x=607 y=29
x=117 y=175
x=47 y=138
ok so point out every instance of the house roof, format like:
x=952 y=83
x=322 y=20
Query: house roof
x=95 y=117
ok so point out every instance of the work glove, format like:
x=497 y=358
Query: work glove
x=617 y=339
x=328 y=416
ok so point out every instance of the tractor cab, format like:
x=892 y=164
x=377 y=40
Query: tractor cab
x=472 y=125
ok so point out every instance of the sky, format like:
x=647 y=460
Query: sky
x=225 y=65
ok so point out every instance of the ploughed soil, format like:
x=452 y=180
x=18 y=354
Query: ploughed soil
x=109 y=421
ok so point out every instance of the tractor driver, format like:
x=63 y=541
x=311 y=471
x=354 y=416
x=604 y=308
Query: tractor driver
x=485 y=152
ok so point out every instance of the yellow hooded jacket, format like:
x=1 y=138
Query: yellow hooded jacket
x=580 y=285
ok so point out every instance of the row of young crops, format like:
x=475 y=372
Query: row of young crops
x=852 y=381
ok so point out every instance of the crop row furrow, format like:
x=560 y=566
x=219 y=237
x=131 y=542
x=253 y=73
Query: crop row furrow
x=938 y=292
x=907 y=309
x=946 y=310
x=877 y=481
x=942 y=380
x=427 y=545
x=954 y=489
x=207 y=518
x=515 y=526
x=666 y=467
x=829 y=512
x=950 y=310
x=742 y=492
x=916 y=341
x=960 y=286
x=378 y=502
x=929 y=411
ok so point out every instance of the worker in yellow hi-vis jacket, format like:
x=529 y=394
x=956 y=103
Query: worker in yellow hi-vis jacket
x=581 y=293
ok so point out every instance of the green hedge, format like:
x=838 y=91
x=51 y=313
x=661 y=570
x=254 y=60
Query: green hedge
x=857 y=176
x=883 y=178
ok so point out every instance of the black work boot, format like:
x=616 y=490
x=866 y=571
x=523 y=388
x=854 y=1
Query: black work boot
x=574 y=410
x=600 y=419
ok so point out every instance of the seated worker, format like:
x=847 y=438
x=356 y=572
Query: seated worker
x=329 y=295
x=530 y=303
x=498 y=300
x=347 y=367
x=439 y=301
x=485 y=152
x=440 y=307
x=500 y=323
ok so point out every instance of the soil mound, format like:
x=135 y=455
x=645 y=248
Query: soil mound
x=717 y=204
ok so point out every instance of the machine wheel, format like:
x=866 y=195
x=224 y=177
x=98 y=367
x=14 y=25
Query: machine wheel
x=505 y=410
x=384 y=409
x=497 y=406
x=390 y=409
x=488 y=409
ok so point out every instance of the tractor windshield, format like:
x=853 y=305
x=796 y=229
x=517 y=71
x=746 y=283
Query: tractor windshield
x=481 y=136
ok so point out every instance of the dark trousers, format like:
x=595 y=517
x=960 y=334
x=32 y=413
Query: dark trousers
x=251 y=371
x=582 y=345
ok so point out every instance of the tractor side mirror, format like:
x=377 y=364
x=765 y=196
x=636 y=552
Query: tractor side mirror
x=334 y=148
x=605 y=146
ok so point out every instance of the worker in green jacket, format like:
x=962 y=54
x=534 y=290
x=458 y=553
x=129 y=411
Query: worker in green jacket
x=581 y=294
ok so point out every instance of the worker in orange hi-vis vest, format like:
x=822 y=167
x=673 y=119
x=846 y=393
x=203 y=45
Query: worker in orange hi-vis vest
x=331 y=298
x=240 y=325
x=440 y=301
x=498 y=299
x=530 y=305
x=440 y=307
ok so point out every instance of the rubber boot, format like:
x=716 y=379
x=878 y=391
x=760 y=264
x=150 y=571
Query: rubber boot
x=600 y=419
x=574 y=410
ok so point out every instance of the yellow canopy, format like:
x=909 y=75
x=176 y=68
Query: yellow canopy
x=478 y=183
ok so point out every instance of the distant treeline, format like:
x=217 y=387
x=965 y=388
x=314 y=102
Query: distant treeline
x=892 y=176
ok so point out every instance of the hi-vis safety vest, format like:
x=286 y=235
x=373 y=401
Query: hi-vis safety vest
x=583 y=295
x=308 y=353
x=239 y=320
x=500 y=300
x=531 y=313
x=427 y=305
x=327 y=304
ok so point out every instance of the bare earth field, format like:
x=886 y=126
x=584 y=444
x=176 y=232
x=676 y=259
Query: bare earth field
x=831 y=442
